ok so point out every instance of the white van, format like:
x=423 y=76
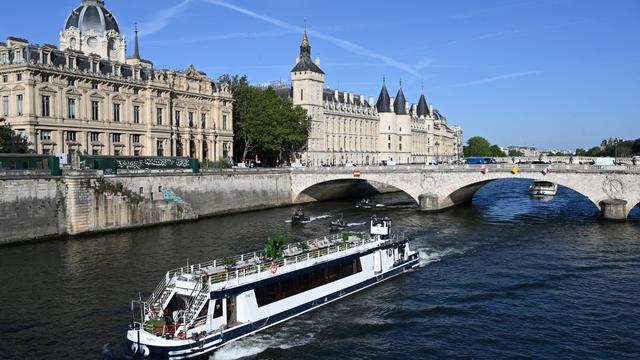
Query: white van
x=604 y=161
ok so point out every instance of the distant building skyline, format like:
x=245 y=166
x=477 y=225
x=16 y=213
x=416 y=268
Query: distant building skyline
x=557 y=74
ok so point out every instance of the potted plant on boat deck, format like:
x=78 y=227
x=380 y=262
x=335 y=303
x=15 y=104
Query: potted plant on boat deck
x=274 y=246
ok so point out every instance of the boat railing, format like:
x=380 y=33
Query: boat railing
x=232 y=269
x=235 y=275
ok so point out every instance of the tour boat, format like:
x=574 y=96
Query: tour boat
x=338 y=224
x=299 y=217
x=543 y=188
x=365 y=204
x=196 y=309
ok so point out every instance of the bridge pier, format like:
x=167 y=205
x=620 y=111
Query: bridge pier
x=613 y=209
x=429 y=202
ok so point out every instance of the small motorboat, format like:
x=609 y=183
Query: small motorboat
x=365 y=204
x=299 y=217
x=338 y=224
x=543 y=188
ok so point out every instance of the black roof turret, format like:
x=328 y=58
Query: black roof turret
x=400 y=104
x=384 y=102
x=423 y=108
x=304 y=62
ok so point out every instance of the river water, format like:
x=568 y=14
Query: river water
x=506 y=277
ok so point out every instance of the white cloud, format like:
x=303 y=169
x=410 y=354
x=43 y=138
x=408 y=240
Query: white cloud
x=344 y=44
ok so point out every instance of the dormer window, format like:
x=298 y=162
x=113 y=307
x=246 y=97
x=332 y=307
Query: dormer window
x=4 y=57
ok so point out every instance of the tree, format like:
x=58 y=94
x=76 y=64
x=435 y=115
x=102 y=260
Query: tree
x=594 y=151
x=10 y=142
x=274 y=246
x=514 y=152
x=581 y=152
x=265 y=124
x=477 y=146
x=495 y=151
x=636 y=147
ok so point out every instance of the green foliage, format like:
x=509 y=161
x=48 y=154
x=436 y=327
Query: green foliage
x=479 y=146
x=514 y=152
x=594 y=151
x=581 y=152
x=347 y=235
x=229 y=262
x=10 y=142
x=274 y=246
x=265 y=124
x=304 y=246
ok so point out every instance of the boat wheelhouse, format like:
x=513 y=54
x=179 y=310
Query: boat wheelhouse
x=299 y=217
x=543 y=188
x=198 y=308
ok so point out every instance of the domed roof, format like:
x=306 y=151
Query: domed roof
x=92 y=15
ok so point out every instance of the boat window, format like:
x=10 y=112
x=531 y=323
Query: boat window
x=217 y=311
x=277 y=291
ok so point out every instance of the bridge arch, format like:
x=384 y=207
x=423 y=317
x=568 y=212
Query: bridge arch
x=462 y=191
x=344 y=186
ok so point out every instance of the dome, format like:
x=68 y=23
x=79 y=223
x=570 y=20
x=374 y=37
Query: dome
x=92 y=15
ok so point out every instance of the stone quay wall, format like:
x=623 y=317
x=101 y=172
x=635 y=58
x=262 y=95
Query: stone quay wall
x=34 y=206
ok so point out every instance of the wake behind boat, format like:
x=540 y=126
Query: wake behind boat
x=199 y=308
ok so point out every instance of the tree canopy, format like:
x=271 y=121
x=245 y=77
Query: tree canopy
x=479 y=146
x=626 y=148
x=265 y=125
x=10 y=142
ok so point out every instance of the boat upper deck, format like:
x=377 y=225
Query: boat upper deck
x=230 y=272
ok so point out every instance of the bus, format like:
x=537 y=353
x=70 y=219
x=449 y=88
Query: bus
x=480 y=160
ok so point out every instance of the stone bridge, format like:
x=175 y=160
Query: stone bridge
x=614 y=190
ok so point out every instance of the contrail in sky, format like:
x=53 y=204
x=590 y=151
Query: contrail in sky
x=488 y=80
x=161 y=19
x=344 y=44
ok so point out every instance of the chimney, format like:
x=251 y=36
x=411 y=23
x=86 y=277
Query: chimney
x=362 y=100
x=317 y=61
x=371 y=100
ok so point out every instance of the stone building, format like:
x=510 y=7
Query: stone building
x=86 y=97
x=348 y=128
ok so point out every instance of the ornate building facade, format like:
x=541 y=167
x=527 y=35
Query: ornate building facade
x=85 y=97
x=348 y=128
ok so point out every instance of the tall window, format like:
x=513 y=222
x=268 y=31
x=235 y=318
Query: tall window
x=224 y=122
x=115 y=138
x=94 y=85
x=116 y=112
x=159 y=116
x=177 y=118
x=71 y=82
x=136 y=114
x=160 y=147
x=71 y=136
x=190 y=119
x=45 y=134
x=203 y=120
x=5 y=78
x=19 y=103
x=95 y=110
x=5 y=105
x=135 y=139
x=72 y=108
x=46 y=103
x=45 y=78
x=19 y=77
x=95 y=137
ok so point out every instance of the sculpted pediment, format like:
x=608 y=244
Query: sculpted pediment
x=192 y=73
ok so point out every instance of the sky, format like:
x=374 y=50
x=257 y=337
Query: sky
x=555 y=74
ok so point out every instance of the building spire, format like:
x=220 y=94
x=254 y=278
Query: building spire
x=136 y=48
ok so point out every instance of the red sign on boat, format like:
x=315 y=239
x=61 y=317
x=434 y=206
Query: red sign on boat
x=357 y=173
